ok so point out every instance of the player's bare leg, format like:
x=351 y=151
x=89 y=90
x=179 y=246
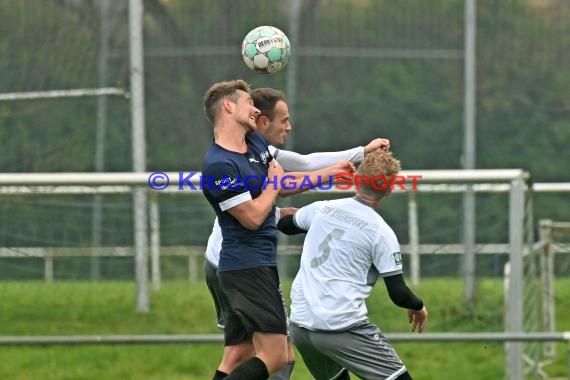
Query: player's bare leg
x=285 y=372
x=271 y=356
x=235 y=354
x=271 y=349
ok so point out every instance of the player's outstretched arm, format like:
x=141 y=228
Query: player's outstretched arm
x=295 y=162
x=298 y=182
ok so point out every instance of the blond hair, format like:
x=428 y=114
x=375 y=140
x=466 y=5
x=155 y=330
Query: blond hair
x=219 y=91
x=382 y=165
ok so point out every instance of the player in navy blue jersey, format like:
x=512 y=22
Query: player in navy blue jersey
x=228 y=170
x=248 y=266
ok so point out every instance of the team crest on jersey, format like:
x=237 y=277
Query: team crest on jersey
x=397 y=258
x=264 y=157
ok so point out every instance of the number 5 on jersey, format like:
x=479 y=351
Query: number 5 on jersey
x=325 y=248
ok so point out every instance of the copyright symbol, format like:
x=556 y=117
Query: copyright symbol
x=158 y=181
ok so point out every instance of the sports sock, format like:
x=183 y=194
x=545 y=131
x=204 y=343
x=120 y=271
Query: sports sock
x=252 y=369
x=219 y=375
x=284 y=373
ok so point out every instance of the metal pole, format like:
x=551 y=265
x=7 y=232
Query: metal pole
x=532 y=286
x=155 y=242
x=547 y=274
x=193 y=267
x=219 y=338
x=97 y=218
x=469 y=150
x=48 y=264
x=139 y=152
x=514 y=321
x=414 y=237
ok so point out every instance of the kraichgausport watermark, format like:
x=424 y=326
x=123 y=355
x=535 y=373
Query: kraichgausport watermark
x=342 y=181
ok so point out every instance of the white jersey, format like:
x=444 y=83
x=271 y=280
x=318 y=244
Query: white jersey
x=289 y=161
x=347 y=247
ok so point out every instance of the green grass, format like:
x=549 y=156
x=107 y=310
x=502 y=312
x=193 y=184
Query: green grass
x=86 y=308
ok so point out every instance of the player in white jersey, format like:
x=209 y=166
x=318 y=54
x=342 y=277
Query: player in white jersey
x=347 y=248
x=274 y=124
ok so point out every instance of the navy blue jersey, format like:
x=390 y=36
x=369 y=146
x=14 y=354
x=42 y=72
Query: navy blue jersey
x=229 y=179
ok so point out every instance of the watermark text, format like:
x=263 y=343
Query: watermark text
x=342 y=181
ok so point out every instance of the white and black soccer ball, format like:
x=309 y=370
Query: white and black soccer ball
x=266 y=49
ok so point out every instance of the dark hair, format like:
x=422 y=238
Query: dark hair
x=265 y=99
x=219 y=91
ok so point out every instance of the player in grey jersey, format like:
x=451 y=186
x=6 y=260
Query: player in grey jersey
x=274 y=124
x=347 y=247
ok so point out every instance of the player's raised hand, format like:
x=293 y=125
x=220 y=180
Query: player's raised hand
x=418 y=319
x=377 y=144
x=275 y=171
x=345 y=166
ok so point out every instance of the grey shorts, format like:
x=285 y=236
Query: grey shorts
x=362 y=350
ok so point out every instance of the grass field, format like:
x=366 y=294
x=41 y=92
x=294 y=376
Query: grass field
x=73 y=308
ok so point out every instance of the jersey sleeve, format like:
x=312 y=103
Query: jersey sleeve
x=304 y=216
x=386 y=254
x=295 y=162
x=221 y=183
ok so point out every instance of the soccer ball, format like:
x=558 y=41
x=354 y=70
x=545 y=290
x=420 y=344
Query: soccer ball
x=266 y=49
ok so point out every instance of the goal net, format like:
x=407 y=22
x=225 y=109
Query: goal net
x=61 y=76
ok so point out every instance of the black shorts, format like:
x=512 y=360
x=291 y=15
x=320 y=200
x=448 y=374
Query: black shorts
x=255 y=303
x=220 y=301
